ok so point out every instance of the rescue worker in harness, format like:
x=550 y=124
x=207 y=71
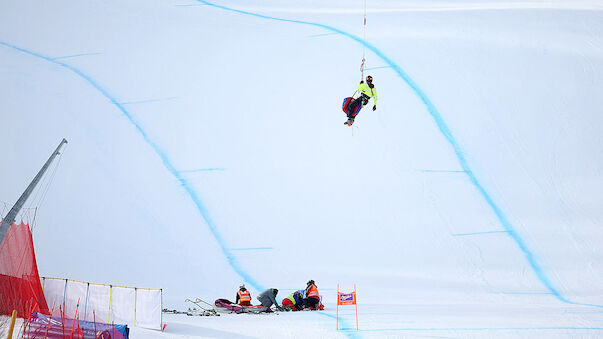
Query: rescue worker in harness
x=367 y=91
x=243 y=296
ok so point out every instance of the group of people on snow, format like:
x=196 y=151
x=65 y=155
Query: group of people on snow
x=308 y=298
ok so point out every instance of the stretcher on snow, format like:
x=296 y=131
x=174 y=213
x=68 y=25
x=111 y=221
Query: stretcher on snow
x=227 y=306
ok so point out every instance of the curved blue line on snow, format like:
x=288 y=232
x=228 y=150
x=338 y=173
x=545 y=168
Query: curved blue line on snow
x=348 y=330
x=439 y=120
x=164 y=158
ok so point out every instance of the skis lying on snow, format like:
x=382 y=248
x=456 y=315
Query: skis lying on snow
x=204 y=311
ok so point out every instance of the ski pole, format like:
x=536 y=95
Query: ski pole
x=205 y=302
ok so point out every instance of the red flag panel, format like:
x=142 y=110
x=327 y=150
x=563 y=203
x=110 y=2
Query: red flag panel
x=20 y=287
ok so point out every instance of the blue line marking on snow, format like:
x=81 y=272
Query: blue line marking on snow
x=75 y=55
x=350 y=332
x=165 y=160
x=251 y=248
x=345 y=327
x=372 y=68
x=528 y=293
x=478 y=233
x=441 y=171
x=446 y=132
x=560 y=328
x=321 y=35
x=147 y=101
x=202 y=170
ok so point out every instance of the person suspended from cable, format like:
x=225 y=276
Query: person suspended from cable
x=352 y=106
x=366 y=90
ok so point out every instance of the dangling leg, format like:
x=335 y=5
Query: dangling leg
x=353 y=108
x=353 y=111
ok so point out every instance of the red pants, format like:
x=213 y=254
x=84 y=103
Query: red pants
x=289 y=303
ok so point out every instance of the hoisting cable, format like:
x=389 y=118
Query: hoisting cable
x=44 y=191
x=362 y=64
x=363 y=47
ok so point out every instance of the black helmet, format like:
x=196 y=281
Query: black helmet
x=369 y=78
x=275 y=292
x=311 y=282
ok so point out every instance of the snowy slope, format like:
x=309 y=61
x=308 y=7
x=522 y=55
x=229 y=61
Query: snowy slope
x=206 y=149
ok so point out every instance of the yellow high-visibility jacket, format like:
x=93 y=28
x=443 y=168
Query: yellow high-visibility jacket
x=370 y=92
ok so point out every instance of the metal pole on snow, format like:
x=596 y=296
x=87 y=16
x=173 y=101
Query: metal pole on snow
x=12 y=324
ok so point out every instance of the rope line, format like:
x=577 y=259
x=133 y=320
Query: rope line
x=47 y=187
x=363 y=46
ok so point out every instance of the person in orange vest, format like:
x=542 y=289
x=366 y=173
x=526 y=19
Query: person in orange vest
x=312 y=299
x=243 y=296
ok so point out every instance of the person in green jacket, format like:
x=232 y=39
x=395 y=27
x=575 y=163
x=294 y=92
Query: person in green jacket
x=367 y=91
x=294 y=301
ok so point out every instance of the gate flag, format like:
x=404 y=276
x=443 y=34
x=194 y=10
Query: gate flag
x=346 y=299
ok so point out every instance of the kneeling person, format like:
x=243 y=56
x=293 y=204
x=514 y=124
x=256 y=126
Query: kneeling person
x=294 y=301
x=268 y=298
x=312 y=299
x=243 y=296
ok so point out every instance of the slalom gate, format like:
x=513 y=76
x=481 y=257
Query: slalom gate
x=346 y=299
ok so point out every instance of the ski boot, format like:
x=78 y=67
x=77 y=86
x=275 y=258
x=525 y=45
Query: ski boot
x=349 y=122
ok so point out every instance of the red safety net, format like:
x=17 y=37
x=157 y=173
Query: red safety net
x=20 y=287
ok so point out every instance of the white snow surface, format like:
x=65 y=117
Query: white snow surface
x=207 y=149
